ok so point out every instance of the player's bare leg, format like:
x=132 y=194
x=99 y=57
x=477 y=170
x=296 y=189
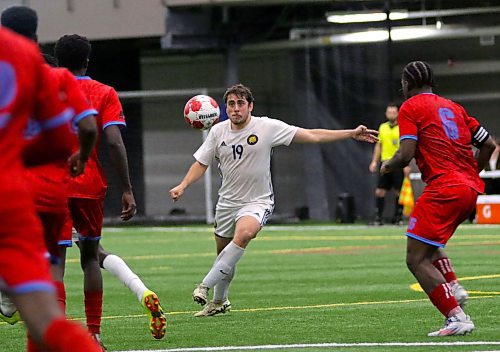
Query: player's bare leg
x=47 y=326
x=419 y=260
x=92 y=285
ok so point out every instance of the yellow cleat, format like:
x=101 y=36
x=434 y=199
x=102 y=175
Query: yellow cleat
x=157 y=320
x=11 y=319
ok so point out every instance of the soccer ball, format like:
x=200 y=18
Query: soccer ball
x=201 y=112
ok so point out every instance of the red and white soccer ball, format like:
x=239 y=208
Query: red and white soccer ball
x=201 y=112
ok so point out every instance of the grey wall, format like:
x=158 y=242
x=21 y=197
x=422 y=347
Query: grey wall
x=169 y=143
x=275 y=78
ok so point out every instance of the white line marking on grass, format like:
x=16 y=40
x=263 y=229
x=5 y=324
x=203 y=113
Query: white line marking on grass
x=327 y=345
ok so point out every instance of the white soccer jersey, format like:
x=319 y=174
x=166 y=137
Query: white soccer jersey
x=244 y=158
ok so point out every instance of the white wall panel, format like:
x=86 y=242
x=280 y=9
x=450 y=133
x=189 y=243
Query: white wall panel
x=96 y=19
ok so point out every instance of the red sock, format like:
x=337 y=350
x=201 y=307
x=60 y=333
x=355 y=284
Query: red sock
x=63 y=335
x=93 y=310
x=442 y=298
x=61 y=295
x=444 y=266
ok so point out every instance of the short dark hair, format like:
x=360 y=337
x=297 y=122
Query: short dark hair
x=72 y=51
x=418 y=74
x=50 y=60
x=392 y=105
x=22 y=20
x=240 y=91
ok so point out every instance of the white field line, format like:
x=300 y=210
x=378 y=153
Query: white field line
x=327 y=345
x=288 y=228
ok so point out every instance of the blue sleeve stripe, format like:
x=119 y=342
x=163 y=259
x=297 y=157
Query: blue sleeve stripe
x=34 y=286
x=58 y=120
x=408 y=136
x=418 y=238
x=83 y=115
x=83 y=238
x=65 y=243
x=123 y=124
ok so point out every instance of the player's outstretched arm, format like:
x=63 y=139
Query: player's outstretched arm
x=194 y=173
x=360 y=133
x=118 y=156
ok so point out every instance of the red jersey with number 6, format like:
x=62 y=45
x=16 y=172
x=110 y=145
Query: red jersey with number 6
x=443 y=131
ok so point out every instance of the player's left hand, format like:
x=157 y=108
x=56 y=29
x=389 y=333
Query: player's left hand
x=364 y=134
x=129 y=208
x=76 y=164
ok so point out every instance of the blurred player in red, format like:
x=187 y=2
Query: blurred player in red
x=27 y=90
x=88 y=191
x=48 y=183
x=439 y=134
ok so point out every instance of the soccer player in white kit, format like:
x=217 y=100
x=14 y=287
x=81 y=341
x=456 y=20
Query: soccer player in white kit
x=242 y=146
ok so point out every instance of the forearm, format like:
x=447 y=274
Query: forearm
x=321 y=135
x=195 y=172
x=118 y=156
x=376 y=153
x=396 y=162
x=485 y=153
x=87 y=137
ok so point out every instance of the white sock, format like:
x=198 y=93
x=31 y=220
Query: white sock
x=221 y=290
x=224 y=264
x=116 y=266
x=459 y=313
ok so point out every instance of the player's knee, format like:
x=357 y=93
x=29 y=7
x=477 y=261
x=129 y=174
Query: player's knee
x=243 y=237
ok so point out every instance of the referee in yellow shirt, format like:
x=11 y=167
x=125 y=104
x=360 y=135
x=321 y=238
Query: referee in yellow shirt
x=386 y=147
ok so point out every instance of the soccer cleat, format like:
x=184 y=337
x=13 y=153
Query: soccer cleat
x=157 y=320
x=8 y=311
x=213 y=308
x=454 y=327
x=11 y=319
x=460 y=294
x=97 y=339
x=200 y=294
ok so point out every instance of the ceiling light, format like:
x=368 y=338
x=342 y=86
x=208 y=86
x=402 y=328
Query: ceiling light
x=358 y=17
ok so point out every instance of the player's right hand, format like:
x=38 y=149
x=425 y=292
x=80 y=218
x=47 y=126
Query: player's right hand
x=76 y=164
x=373 y=166
x=176 y=192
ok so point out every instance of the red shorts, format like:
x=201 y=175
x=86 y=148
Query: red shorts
x=87 y=216
x=23 y=256
x=438 y=213
x=65 y=238
x=53 y=230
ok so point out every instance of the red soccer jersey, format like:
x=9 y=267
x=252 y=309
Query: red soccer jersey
x=92 y=183
x=26 y=89
x=443 y=133
x=48 y=182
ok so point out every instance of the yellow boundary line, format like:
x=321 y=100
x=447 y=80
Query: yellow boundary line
x=416 y=286
x=267 y=309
